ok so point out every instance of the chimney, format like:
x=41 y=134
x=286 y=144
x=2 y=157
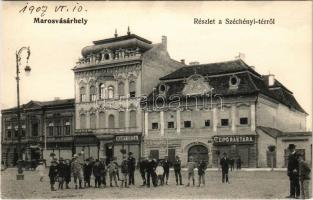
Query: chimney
x=164 y=42
x=56 y=98
x=194 y=63
x=182 y=61
x=271 y=80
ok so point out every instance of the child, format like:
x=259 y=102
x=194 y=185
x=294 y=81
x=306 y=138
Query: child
x=159 y=172
x=41 y=170
x=112 y=168
x=304 y=176
x=53 y=173
x=201 y=172
x=191 y=165
x=124 y=170
x=97 y=173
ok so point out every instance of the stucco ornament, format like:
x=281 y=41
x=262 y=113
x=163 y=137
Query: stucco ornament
x=196 y=85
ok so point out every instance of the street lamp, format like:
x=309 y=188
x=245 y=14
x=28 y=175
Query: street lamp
x=20 y=175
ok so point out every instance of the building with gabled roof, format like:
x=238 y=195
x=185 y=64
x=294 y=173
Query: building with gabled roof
x=204 y=110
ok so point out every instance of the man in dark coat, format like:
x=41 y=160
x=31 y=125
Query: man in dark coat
x=103 y=172
x=131 y=168
x=53 y=173
x=177 y=170
x=166 y=167
x=142 y=169
x=67 y=173
x=293 y=172
x=61 y=173
x=97 y=173
x=224 y=162
x=87 y=172
x=151 y=165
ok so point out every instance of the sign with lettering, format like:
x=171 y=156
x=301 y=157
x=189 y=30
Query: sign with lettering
x=233 y=139
x=127 y=138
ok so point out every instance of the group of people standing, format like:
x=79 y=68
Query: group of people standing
x=81 y=170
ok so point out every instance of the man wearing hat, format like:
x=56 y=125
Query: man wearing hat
x=293 y=172
x=76 y=169
x=131 y=168
x=224 y=164
x=53 y=173
x=61 y=173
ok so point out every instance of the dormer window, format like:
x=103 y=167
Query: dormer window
x=162 y=88
x=233 y=82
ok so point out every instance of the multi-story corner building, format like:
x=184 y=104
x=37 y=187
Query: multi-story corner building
x=208 y=109
x=46 y=127
x=110 y=79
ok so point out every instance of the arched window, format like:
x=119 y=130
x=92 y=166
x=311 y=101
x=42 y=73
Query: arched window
x=110 y=92
x=121 y=91
x=82 y=121
x=132 y=119
x=132 y=89
x=82 y=94
x=92 y=91
x=111 y=121
x=102 y=120
x=92 y=120
x=101 y=91
x=121 y=121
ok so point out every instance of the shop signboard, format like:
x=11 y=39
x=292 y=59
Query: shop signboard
x=233 y=139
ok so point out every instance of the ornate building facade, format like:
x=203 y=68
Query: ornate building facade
x=110 y=78
x=46 y=127
x=205 y=110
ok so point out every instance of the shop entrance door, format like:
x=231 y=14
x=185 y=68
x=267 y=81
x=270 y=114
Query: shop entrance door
x=244 y=156
x=198 y=152
x=171 y=155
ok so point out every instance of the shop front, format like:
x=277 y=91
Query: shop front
x=130 y=143
x=241 y=147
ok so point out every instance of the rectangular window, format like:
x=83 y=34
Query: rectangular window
x=23 y=133
x=207 y=123
x=224 y=122
x=35 y=129
x=187 y=124
x=155 y=125
x=243 y=120
x=170 y=124
x=132 y=94
x=67 y=129
x=50 y=131
x=58 y=130
x=154 y=154
x=15 y=133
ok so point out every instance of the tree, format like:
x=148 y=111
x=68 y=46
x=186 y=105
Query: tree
x=271 y=149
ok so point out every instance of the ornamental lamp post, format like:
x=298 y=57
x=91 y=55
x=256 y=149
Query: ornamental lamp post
x=20 y=175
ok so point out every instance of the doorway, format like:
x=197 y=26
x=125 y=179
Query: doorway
x=199 y=153
x=109 y=152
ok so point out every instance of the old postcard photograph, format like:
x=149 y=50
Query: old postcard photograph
x=156 y=100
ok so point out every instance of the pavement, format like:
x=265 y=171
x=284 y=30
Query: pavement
x=243 y=184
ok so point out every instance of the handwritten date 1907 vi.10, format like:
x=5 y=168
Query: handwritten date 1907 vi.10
x=43 y=9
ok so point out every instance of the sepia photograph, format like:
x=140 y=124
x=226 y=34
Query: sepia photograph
x=156 y=100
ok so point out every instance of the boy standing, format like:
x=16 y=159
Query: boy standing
x=159 y=172
x=41 y=170
x=191 y=165
x=112 y=168
x=201 y=172
x=304 y=176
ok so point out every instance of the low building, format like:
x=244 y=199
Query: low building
x=206 y=110
x=47 y=126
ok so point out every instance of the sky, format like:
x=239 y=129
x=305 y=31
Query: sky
x=283 y=48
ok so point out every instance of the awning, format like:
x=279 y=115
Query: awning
x=86 y=140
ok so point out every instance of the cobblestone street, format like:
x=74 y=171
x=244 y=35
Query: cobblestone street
x=244 y=184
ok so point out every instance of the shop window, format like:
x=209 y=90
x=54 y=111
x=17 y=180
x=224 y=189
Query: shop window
x=132 y=89
x=111 y=121
x=121 y=121
x=35 y=129
x=110 y=92
x=170 y=124
x=243 y=120
x=102 y=120
x=121 y=91
x=132 y=119
x=101 y=91
x=207 y=123
x=92 y=120
x=155 y=125
x=82 y=93
x=224 y=122
x=187 y=124
x=82 y=121
x=92 y=91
